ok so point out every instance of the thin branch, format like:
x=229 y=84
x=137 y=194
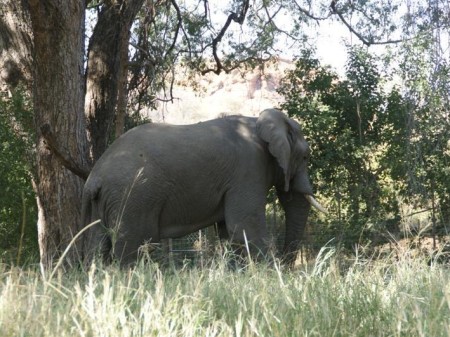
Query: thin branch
x=309 y=14
x=238 y=64
x=172 y=83
x=365 y=41
x=206 y=7
x=143 y=51
x=272 y=22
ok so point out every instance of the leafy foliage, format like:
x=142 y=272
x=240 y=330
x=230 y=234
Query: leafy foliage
x=362 y=143
x=425 y=70
x=17 y=202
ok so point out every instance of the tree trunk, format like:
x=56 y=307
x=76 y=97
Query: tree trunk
x=58 y=97
x=122 y=93
x=105 y=65
x=15 y=45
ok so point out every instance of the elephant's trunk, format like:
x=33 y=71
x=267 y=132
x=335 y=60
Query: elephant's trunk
x=296 y=208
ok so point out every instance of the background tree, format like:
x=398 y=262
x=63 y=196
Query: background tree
x=380 y=149
x=341 y=119
x=424 y=68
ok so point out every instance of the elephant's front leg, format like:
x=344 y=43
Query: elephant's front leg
x=246 y=223
x=222 y=232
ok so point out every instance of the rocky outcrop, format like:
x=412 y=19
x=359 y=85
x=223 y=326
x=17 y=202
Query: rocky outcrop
x=234 y=93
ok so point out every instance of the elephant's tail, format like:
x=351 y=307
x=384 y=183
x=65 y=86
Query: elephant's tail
x=91 y=192
x=95 y=239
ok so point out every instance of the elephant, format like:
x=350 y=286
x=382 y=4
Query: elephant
x=161 y=181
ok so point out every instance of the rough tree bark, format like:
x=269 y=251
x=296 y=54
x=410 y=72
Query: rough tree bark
x=122 y=92
x=58 y=99
x=15 y=45
x=106 y=67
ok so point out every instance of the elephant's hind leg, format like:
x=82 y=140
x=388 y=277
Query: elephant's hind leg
x=131 y=235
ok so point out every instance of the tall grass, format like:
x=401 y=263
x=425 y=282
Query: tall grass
x=389 y=297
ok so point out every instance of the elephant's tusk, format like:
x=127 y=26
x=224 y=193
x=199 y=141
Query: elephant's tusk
x=315 y=203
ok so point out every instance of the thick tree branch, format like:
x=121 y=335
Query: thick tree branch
x=62 y=154
x=177 y=29
x=206 y=8
x=104 y=66
x=238 y=18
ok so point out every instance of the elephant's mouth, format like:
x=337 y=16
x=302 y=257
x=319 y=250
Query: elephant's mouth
x=315 y=203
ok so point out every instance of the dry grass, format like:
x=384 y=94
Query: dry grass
x=398 y=296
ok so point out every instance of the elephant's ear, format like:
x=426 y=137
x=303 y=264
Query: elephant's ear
x=272 y=126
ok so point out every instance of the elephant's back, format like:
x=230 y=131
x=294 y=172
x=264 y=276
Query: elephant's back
x=180 y=152
x=168 y=144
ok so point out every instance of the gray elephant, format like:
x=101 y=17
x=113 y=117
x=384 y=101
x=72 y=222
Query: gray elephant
x=162 y=181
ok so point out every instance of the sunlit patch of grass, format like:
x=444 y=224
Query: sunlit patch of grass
x=397 y=296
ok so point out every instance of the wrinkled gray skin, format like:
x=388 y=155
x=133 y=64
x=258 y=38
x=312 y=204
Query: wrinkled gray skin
x=162 y=181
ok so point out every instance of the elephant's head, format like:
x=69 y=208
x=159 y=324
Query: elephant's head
x=287 y=144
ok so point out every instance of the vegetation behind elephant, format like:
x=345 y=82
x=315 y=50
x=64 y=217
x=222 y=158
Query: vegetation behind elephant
x=162 y=181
